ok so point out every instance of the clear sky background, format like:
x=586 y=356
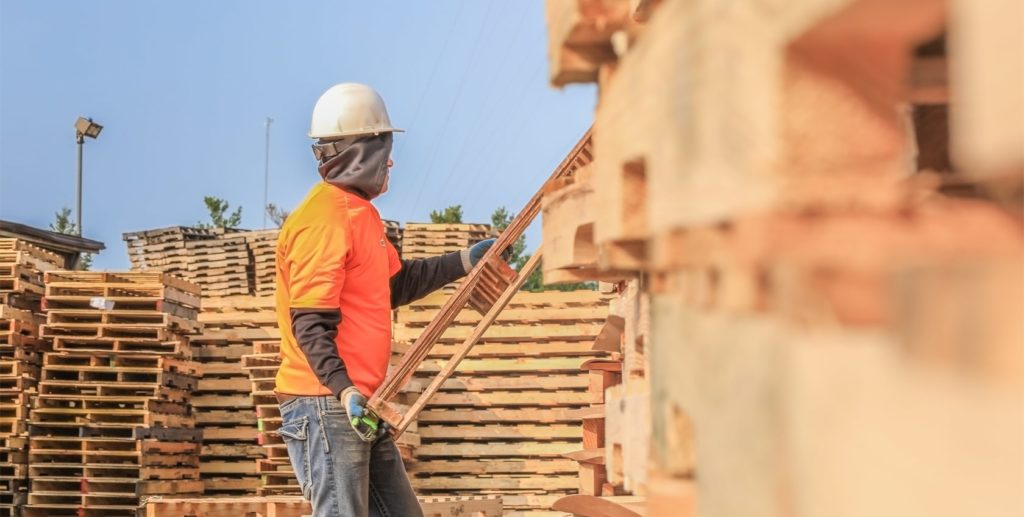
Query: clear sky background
x=183 y=89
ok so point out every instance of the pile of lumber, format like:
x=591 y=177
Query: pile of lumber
x=216 y=259
x=516 y=404
x=21 y=288
x=422 y=240
x=223 y=400
x=112 y=422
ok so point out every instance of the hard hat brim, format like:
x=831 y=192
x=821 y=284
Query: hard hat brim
x=357 y=132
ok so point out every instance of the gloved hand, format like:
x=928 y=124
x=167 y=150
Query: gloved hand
x=365 y=423
x=478 y=250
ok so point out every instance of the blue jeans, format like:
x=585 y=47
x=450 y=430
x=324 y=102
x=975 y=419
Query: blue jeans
x=340 y=474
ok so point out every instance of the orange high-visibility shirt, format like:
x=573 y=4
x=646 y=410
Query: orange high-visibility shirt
x=333 y=254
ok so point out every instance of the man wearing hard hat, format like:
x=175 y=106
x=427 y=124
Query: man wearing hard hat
x=338 y=278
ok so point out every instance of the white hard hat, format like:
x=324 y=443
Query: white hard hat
x=350 y=109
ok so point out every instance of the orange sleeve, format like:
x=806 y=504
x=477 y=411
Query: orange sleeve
x=316 y=266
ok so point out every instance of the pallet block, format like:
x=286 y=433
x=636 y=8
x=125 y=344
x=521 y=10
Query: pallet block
x=579 y=37
x=570 y=254
x=627 y=438
x=915 y=318
x=986 y=79
x=757 y=112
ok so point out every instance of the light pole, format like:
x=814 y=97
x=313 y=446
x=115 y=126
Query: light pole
x=84 y=127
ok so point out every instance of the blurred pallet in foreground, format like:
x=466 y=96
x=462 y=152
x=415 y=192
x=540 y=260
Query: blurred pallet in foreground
x=822 y=203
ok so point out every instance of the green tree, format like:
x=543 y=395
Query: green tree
x=450 y=215
x=500 y=220
x=276 y=214
x=62 y=224
x=219 y=217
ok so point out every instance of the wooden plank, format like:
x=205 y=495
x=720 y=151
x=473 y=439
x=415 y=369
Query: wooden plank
x=493 y=466
x=985 y=84
x=512 y=315
x=531 y=415
x=519 y=350
x=591 y=456
x=513 y=398
x=497 y=482
x=500 y=432
x=593 y=506
x=496 y=449
x=523 y=299
x=582 y=331
x=507 y=382
x=530 y=365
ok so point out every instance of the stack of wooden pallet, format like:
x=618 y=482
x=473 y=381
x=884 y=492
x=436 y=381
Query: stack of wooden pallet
x=833 y=262
x=515 y=405
x=217 y=259
x=21 y=287
x=223 y=402
x=276 y=474
x=263 y=251
x=421 y=240
x=112 y=422
x=251 y=323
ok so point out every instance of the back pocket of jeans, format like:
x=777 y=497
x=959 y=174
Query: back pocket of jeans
x=295 y=434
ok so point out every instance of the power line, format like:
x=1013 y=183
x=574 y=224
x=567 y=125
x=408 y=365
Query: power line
x=461 y=156
x=493 y=140
x=266 y=172
x=433 y=72
x=451 y=108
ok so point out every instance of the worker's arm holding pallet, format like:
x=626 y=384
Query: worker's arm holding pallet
x=420 y=277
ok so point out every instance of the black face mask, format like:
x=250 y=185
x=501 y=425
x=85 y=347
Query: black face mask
x=361 y=165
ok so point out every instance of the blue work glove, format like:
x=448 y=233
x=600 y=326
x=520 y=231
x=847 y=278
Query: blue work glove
x=478 y=250
x=366 y=424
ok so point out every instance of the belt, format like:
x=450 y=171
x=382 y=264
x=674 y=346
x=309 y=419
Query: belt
x=284 y=397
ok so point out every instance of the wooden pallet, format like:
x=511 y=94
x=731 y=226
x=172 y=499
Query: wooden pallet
x=75 y=473
x=503 y=421
x=134 y=291
x=225 y=406
x=283 y=506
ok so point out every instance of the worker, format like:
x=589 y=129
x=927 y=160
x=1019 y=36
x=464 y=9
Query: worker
x=338 y=278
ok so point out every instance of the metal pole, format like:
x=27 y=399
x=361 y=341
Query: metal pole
x=78 y=218
x=266 y=173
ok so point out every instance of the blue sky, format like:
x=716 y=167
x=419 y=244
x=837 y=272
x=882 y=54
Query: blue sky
x=183 y=89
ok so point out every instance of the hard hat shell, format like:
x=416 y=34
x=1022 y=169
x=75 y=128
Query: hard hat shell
x=350 y=109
